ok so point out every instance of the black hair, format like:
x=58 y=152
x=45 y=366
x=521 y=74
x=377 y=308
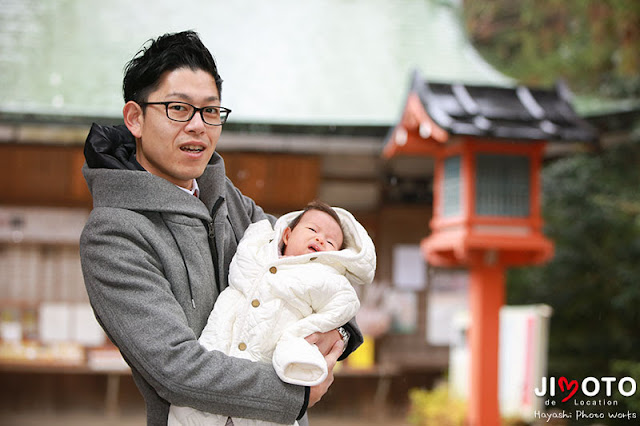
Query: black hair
x=323 y=207
x=166 y=53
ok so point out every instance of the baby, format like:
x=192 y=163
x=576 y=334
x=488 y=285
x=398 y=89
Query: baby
x=287 y=282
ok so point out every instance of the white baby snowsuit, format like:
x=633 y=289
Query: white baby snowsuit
x=274 y=302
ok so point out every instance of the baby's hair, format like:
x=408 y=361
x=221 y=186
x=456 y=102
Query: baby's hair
x=323 y=207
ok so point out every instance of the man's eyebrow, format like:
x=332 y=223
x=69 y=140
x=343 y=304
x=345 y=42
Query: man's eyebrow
x=190 y=99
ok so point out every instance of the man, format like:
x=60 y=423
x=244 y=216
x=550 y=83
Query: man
x=155 y=257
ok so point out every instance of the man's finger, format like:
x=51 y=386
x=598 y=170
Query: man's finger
x=334 y=353
x=313 y=338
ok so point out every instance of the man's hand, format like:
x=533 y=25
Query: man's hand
x=331 y=346
x=325 y=341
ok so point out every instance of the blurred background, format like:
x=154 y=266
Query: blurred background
x=318 y=89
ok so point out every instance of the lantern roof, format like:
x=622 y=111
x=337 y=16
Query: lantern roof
x=519 y=112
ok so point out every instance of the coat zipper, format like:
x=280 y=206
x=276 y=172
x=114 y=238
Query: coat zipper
x=212 y=240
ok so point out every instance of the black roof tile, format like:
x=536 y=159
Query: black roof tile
x=503 y=112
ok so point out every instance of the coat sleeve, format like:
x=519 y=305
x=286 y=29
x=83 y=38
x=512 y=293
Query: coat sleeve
x=355 y=338
x=334 y=303
x=133 y=301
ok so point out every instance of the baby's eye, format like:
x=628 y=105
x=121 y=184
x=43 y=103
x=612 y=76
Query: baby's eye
x=330 y=243
x=311 y=229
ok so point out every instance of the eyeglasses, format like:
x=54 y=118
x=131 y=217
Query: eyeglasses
x=182 y=111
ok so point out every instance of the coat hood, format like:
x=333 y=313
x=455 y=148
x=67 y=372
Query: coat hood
x=111 y=147
x=116 y=179
x=359 y=255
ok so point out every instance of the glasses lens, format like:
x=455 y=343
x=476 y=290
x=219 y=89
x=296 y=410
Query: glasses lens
x=179 y=111
x=214 y=115
x=211 y=115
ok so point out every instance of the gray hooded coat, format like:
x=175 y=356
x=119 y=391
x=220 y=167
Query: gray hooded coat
x=154 y=260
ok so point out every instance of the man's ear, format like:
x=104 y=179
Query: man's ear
x=133 y=118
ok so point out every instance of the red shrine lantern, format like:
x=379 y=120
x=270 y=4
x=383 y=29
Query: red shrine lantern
x=488 y=144
x=487 y=204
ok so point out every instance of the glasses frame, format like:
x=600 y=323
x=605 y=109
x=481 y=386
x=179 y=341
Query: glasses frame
x=195 y=110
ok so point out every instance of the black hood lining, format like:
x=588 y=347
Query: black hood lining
x=111 y=147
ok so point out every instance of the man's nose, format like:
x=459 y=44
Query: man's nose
x=196 y=122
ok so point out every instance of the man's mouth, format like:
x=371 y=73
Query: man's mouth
x=192 y=148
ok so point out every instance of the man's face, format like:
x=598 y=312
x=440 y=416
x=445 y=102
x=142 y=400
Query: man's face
x=177 y=151
x=316 y=231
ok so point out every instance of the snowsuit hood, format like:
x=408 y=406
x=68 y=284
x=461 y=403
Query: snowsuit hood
x=358 y=257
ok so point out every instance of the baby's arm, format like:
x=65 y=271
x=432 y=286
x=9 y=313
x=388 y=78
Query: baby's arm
x=295 y=360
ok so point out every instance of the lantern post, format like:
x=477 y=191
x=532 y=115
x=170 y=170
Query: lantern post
x=487 y=144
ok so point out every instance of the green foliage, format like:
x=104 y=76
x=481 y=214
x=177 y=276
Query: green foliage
x=593 y=45
x=592 y=212
x=631 y=369
x=436 y=407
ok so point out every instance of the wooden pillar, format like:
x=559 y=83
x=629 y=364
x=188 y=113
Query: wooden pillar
x=486 y=297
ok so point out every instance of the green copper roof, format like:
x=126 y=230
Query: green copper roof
x=342 y=62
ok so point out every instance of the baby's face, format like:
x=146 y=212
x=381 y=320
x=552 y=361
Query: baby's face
x=316 y=231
